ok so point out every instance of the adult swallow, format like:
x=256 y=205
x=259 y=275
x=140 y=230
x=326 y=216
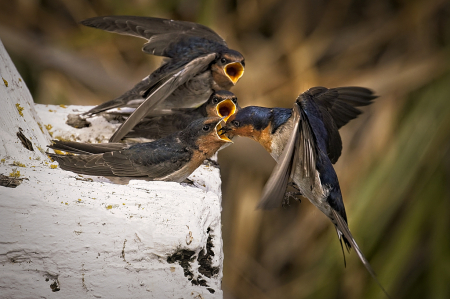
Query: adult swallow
x=305 y=142
x=172 y=158
x=200 y=63
x=161 y=123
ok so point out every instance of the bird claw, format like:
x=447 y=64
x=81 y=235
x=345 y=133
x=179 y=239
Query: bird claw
x=288 y=195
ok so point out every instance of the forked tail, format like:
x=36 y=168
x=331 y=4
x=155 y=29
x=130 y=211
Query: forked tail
x=347 y=235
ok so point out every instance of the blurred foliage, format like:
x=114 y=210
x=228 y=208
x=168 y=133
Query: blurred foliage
x=395 y=167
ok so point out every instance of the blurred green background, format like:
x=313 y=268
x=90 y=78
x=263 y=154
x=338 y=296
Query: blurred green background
x=395 y=167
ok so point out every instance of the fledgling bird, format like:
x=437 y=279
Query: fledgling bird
x=172 y=158
x=222 y=103
x=305 y=142
x=200 y=63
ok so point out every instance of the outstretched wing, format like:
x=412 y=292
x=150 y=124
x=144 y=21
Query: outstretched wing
x=162 y=34
x=301 y=145
x=161 y=91
x=337 y=108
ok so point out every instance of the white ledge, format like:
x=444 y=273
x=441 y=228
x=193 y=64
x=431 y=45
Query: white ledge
x=70 y=236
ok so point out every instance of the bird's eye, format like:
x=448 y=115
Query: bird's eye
x=235 y=123
x=223 y=60
x=234 y=100
x=215 y=100
x=243 y=62
x=206 y=128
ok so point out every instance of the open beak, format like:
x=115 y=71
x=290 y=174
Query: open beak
x=220 y=131
x=234 y=71
x=226 y=109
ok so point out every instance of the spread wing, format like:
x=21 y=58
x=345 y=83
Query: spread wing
x=301 y=144
x=161 y=90
x=162 y=34
x=337 y=108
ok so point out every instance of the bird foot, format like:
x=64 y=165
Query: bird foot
x=288 y=196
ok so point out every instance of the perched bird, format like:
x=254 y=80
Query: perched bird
x=172 y=158
x=305 y=142
x=221 y=103
x=200 y=63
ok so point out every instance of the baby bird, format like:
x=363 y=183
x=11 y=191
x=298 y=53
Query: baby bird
x=172 y=158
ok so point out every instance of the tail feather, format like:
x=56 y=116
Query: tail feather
x=344 y=232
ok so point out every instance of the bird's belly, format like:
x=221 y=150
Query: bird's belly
x=191 y=94
x=311 y=188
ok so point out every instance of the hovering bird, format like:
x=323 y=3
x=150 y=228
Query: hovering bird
x=200 y=63
x=172 y=158
x=221 y=103
x=305 y=142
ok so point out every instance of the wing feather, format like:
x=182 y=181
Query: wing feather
x=337 y=107
x=162 y=91
x=86 y=148
x=275 y=188
x=162 y=34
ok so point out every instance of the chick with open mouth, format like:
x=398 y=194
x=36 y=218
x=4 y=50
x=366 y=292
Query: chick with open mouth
x=171 y=158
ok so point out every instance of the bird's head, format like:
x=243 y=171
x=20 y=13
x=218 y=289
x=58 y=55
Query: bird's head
x=203 y=134
x=252 y=122
x=222 y=103
x=228 y=68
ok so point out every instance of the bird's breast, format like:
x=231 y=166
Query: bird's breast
x=280 y=138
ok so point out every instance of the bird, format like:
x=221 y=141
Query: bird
x=161 y=123
x=199 y=62
x=172 y=158
x=305 y=142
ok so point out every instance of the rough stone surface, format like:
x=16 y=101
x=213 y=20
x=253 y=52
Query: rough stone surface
x=70 y=236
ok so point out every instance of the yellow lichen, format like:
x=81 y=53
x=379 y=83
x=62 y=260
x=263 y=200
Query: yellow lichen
x=49 y=127
x=16 y=163
x=20 y=79
x=15 y=173
x=6 y=82
x=50 y=110
x=79 y=199
x=53 y=166
x=20 y=109
x=62 y=106
x=66 y=204
x=3 y=160
x=109 y=207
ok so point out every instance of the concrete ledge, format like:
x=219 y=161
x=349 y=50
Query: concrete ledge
x=70 y=236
